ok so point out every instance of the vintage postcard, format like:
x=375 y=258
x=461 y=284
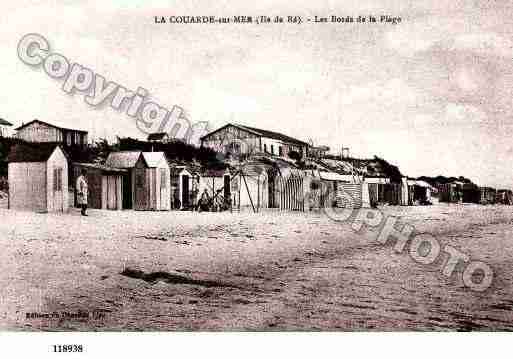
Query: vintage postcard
x=268 y=166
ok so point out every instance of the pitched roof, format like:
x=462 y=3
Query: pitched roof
x=48 y=124
x=123 y=159
x=156 y=136
x=153 y=159
x=262 y=133
x=175 y=171
x=100 y=167
x=33 y=152
x=4 y=122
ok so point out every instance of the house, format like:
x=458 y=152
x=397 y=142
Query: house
x=39 y=131
x=105 y=185
x=38 y=178
x=147 y=186
x=318 y=151
x=237 y=140
x=3 y=125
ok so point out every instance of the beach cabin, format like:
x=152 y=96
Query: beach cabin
x=38 y=178
x=158 y=179
x=504 y=196
x=488 y=195
x=377 y=186
x=147 y=185
x=105 y=185
x=135 y=195
x=184 y=187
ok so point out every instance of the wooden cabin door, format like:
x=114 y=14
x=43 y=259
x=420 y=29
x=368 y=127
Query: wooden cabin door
x=127 y=191
x=58 y=190
x=185 y=191
x=141 y=189
x=164 y=185
x=226 y=190
x=111 y=192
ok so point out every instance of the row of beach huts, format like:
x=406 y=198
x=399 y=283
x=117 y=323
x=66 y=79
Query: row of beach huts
x=264 y=169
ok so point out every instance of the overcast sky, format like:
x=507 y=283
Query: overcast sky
x=432 y=94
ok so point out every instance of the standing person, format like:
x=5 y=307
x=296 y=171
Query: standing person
x=203 y=202
x=82 y=191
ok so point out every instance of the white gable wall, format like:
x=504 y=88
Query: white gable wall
x=57 y=201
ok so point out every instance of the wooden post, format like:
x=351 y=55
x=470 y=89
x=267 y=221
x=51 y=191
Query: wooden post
x=258 y=193
x=249 y=194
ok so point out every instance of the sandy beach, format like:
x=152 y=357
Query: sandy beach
x=129 y=270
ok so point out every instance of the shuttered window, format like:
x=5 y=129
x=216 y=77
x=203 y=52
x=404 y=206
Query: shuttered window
x=57 y=179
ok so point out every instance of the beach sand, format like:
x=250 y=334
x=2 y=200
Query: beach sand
x=128 y=270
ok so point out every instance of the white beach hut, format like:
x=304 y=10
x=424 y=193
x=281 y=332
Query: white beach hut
x=38 y=178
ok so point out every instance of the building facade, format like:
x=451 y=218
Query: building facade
x=39 y=131
x=235 y=139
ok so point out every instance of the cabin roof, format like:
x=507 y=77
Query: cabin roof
x=48 y=124
x=98 y=166
x=153 y=159
x=175 y=171
x=261 y=133
x=123 y=159
x=33 y=152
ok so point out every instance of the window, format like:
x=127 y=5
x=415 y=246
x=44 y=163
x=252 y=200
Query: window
x=265 y=147
x=57 y=179
x=68 y=139
x=272 y=149
x=139 y=180
x=280 y=151
x=163 y=178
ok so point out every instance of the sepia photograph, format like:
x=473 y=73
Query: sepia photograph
x=233 y=168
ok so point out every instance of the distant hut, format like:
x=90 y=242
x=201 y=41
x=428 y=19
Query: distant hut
x=488 y=195
x=505 y=196
x=105 y=185
x=148 y=182
x=450 y=192
x=470 y=193
x=420 y=192
x=38 y=178
x=377 y=187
